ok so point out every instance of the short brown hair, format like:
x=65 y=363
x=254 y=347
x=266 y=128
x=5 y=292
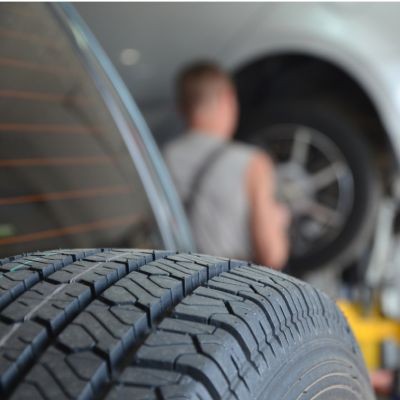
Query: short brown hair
x=197 y=83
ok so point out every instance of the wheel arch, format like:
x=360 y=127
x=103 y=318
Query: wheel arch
x=320 y=75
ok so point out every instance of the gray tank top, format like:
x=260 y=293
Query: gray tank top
x=220 y=214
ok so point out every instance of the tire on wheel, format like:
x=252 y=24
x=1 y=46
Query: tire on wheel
x=332 y=224
x=144 y=324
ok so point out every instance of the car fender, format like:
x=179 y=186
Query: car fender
x=359 y=46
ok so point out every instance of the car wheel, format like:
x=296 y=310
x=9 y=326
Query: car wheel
x=144 y=324
x=327 y=178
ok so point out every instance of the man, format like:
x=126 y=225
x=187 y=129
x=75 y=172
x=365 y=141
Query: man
x=228 y=188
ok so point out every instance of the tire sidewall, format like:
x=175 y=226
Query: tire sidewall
x=312 y=362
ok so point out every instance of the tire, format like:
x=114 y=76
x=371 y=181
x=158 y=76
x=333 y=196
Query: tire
x=345 y=133
x=144 y=324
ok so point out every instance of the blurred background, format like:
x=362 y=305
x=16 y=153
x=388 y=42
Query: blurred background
x=316 y=75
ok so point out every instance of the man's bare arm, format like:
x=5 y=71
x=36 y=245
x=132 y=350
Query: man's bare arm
x=268 y=218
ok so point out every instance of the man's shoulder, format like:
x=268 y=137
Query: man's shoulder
x=176 y=149
x=246 y=149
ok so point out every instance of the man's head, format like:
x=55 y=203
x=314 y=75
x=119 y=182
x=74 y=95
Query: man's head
x=207 y=99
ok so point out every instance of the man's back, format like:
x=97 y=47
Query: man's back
x=220 y=209
x=232 y=206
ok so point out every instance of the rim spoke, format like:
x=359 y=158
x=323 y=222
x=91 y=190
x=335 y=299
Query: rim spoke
x=328 y=175
x=301 y=145
x=323 y=214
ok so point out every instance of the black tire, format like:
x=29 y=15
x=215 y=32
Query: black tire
x=345 y=131
x=157 y=325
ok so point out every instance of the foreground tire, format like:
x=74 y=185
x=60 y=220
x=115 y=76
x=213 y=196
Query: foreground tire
x=159 y=325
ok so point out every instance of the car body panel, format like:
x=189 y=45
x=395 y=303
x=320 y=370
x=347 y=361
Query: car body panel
x=79 y=167
x=357 y=38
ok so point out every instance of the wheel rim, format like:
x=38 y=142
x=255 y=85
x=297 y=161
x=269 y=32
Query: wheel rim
x=315 y=181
